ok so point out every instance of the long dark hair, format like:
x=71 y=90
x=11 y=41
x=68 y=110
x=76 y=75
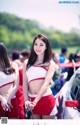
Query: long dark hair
x=47 y=54
x=4 y=60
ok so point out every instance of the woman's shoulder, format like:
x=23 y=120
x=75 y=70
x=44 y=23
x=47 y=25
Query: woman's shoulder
x=51 y=66
x=25 y=62
x=52 y=63
x=14 y=65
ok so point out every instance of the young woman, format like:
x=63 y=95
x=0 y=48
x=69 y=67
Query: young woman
x=9 y=80
x=37 y=74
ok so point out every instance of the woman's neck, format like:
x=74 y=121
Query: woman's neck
x=39 y=61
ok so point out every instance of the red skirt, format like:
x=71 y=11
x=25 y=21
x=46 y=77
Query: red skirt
x=45 y=105
x=14 y=111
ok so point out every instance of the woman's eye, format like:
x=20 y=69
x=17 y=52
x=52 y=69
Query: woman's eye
x=35 y=44
x=38 y=45
x=41 y=44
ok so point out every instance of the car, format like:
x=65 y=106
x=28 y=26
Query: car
x=68 y=98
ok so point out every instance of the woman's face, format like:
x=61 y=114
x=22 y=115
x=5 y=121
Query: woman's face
x=39 y=47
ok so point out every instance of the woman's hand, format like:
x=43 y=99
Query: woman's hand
x=33 y=104
x=9 y=104
x=29 y=105
x=4 y=104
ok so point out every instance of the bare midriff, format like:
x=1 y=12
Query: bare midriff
x=34 y=86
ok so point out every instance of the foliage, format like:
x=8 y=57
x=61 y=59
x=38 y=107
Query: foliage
x=17 y=33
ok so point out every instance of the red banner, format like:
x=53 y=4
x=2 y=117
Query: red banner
x=67 y=65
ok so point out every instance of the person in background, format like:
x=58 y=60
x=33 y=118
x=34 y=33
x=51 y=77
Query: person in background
x=25 y=53
x=56 y=84
x=63 y=59
x=20 y=98
x=57 y=73
x=37 y=75
x=9 y=82
x=73 y=57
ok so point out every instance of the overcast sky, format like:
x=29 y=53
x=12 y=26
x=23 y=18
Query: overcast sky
x=47 y=12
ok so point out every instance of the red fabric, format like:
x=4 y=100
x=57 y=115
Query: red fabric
x=14 y=111
x=70 y=64
x=71 y=103
x=20 y=76
x=20 y=101
x=19 y=94
x=59 y=99
x=44 y=106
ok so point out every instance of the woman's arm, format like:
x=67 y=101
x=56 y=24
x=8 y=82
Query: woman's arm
x=1 y=97
x=47 y=81
x=25 y=87
x=25 y=81
x=4 y=103
x=16 y=82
